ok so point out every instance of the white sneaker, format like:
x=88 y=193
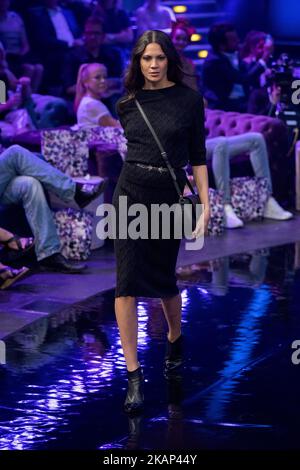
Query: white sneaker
x=274 y=211
x=231 y=220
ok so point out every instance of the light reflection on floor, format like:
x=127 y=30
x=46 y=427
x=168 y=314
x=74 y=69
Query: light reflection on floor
x=64 y=382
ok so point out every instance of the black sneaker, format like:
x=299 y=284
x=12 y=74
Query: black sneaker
x=86 y=193
x=59 y=263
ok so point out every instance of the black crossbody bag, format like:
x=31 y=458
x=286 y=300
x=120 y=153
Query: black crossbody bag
x=192 y=199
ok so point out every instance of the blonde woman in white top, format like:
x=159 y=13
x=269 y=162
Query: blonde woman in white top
x=90 y=88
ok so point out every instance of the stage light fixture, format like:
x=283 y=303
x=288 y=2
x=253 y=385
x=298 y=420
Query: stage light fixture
x=196 y=37
x=180 y=9
x=203 y=54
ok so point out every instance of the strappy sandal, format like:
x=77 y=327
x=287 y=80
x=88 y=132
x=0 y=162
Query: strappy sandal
x=21 y=249
x=14 y=275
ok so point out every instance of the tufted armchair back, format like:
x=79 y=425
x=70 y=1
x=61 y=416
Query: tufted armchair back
x=221 y=123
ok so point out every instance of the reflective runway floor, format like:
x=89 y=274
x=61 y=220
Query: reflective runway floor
x=64 y=384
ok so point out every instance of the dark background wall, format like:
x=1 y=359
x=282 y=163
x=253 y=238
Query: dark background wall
x=281 y=18
x=247 y=14
x=284 y=18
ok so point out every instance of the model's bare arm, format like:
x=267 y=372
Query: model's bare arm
x=201 y=179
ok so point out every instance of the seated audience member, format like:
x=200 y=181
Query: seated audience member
x=266 y=100
x=22 y=110
x=6 y=74
x=80 y=9
x=93 y=51
x=116 y=22
x=226 y=79
x=55 y=27
x=10 y=275
x=9 y=241
x=23 y=179
x=221 y=150
x=91 y=86
x=152 y=15
x=14 y=243
x=258 y=46
x=181 y=36
x=17 y=113
x=53 y=31
x=14 y=39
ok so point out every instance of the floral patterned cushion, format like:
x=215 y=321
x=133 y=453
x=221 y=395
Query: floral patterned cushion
x=67 y=150
x=109 y=135
x=74 y=229
x=215 y=226
x=249 y=197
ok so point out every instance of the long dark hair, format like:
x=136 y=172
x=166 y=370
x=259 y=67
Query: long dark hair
x=134 y=79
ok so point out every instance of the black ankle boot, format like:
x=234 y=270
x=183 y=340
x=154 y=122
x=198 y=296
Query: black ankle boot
x=134 y=402
x=174 y=358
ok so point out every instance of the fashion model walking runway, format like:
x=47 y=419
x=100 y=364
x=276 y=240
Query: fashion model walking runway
x=146 y=267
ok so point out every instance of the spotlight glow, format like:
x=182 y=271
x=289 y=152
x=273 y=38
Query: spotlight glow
x=203 y=54
x=180 y=9
x=196 y=37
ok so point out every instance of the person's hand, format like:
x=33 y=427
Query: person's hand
x=202 y=224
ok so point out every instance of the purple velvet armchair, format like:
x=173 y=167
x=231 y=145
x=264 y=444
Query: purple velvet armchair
x=221 y=123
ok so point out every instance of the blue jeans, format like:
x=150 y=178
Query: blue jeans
x=221 y=149
x=23 y=177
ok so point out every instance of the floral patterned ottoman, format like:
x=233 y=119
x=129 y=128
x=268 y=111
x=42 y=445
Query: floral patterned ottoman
x=74 y=229
x=249 y=197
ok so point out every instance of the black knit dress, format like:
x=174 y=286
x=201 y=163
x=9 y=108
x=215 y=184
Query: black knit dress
x=146 y=267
